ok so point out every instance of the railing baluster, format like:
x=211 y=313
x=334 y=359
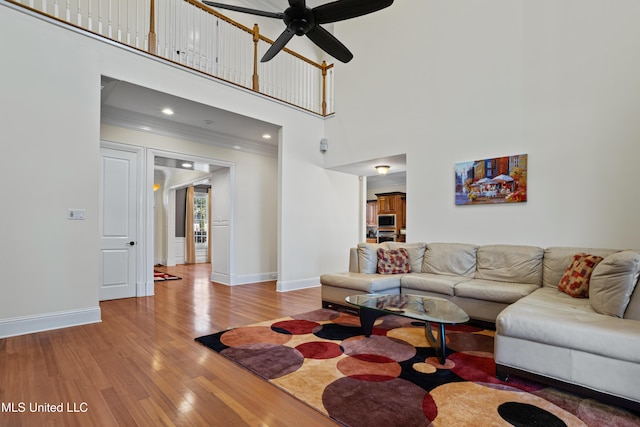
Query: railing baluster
x=110 y=19
x=127 y=21
x=100 y=17
x=137 y=26
x=89 y=16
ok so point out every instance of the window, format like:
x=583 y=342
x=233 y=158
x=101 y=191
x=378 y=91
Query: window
x=200 y=218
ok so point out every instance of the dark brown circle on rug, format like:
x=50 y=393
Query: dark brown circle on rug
x=363 y=403
x=392 y=348
x=525 y=415
x=295 y=327
x=268 y=361
x=470 y=342
x=319 y=350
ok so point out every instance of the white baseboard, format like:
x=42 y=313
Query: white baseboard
x=146 y=289
x=243 y=279
x=293 y=285
x=48 y=321
x=232 y=280
x=225 y=279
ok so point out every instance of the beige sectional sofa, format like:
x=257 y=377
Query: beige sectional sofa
x=591 y=345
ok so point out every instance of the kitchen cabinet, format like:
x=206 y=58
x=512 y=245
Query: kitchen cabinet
x=372 y=213
x=394 y=203
x=387 y=204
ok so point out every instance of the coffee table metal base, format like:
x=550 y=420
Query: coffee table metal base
x=369 y=316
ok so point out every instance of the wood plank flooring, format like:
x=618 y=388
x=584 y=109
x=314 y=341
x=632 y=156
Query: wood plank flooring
x=142 y=367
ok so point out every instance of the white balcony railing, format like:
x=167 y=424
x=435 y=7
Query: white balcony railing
x=192 y=34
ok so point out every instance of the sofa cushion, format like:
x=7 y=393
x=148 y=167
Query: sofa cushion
x=612 y=283
x=575 y=280
x=393 y=261
x=430 y=282
x=510 y=263
x=362 y=283
x=415 y=251
x=368 y=257
x=453 y=259
x=493 y=290
x=556 y=260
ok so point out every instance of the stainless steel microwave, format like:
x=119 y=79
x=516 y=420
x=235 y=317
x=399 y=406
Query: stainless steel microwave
x=386 y=220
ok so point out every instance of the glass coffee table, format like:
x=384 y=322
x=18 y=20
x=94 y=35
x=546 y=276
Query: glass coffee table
x=423 y=308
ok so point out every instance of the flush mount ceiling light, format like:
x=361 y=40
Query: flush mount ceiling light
x=382 y=169
x=168 y=111
x=266 y=136
x=187 y=165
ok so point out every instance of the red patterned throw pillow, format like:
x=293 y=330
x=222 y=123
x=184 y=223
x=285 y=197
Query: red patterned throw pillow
x=393 y=261
x=575 y=280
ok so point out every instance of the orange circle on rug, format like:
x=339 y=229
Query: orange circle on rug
x=424 y=368
x=361 y=366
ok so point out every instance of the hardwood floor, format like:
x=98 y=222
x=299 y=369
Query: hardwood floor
x=142 y=367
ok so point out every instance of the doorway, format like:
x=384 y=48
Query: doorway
x=166 y=171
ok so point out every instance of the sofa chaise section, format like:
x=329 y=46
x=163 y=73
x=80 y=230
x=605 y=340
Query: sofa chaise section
x=590 y=345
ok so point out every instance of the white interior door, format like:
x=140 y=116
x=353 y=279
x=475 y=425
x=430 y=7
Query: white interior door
x=118 y=230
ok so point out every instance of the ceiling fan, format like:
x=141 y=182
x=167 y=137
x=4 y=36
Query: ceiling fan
x=301 y=20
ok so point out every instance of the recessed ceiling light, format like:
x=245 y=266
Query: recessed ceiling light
x=168 y=111
x=187 y=165
x=145 y=128
x=237 y=147
x=266 y=136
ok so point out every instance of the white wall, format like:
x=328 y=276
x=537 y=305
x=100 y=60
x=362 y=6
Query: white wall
x=558 y=80
x=50 y=121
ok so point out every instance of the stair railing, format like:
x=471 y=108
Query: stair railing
x=192 y=34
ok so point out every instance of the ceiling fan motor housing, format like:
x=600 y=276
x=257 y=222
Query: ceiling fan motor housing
x=299 y=20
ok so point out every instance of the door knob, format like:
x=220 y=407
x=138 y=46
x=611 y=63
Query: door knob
x=132 y=243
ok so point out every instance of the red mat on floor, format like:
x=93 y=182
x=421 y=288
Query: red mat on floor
x=160 y=276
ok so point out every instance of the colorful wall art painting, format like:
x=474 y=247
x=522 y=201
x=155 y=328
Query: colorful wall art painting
x=491 y=181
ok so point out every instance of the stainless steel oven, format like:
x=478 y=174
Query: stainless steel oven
x=386 y=236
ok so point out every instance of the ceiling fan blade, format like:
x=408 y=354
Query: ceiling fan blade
x=244 y=9
x=277 y=46
x=327 y=42
x=347 y=9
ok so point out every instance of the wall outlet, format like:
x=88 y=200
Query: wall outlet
x=75 y=214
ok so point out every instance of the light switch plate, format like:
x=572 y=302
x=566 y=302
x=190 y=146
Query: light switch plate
x=77 y=214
